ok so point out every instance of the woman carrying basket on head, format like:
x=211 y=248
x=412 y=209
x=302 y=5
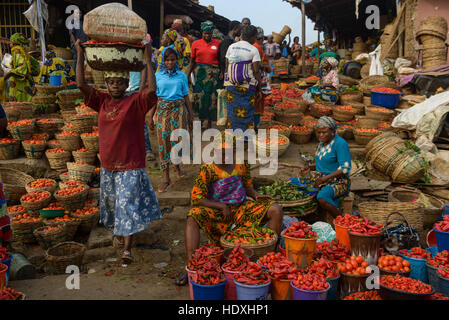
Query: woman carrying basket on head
x=127 y=199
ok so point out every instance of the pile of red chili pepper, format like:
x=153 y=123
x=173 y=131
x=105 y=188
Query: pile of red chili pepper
x=416 y=253
x=253 y=274
x=300 y=230
x=443 y=225
x=385 y=90
x=209 y=274
x=444 y=272
x=197 y=261
x=365 y=226
x=310 y=282
x=210 y=250
x=405 y=284
x=346 y=220
x=279 y=267
x=287 y=105
x=332 y=251
x=237 y=260
x=10 y=294
x=437 y=296
x=3 y=254
x=441 y=259
x=367 y=295
x=323 y=267
x=292 y=93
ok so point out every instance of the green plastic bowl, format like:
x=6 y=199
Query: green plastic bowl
x=51 y=213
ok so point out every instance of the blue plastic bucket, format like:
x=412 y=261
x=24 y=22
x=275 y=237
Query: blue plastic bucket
x=332 y=293
x=8 y=263
x=211 y=292
x=55 y=80
x=418 y=267
x=433 y=251
x=386 y=100
x=443 y=285
x=432 y=274
x=300 y=294
x=442 y=240
x=252 y=292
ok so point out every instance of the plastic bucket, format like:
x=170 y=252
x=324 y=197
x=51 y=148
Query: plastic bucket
x=280 y=289
x=252 y=292
x=333 y=282
x=433 y=251
x=230 y=293
x=386 y=100
x=431 y=239
x=208 y=292
x=3 y=269
x=342 y=235
x=350 y=283
x=189 y=275
x=299 y=294
x=55 y=80
x=366 y=246
x=442 y=240
x=443 y=284
x=418 y=267
x=8 y=263
x=432 y=275
x=300 y=251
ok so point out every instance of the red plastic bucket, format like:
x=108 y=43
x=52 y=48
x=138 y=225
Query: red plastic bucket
x=189 y=275
x=300 y=294
x=230 y=292
x=342 y=235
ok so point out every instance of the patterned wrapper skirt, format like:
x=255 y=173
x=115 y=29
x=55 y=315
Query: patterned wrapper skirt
x=127 y=201
x=334 y=190
x=211 y=221
x=241 y=104
x=323 y=95
x=169 y=116
x=207 y=79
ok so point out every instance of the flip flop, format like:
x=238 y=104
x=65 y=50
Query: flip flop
x=162 y=190
x=179 y=173
x=127 y=258
x=150 y=157
x=181 y=279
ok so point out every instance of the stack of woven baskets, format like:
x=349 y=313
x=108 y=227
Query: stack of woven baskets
x=44 y=102
x=67 y=100
x=432 y=34
x=281 y=66
x=358 y=47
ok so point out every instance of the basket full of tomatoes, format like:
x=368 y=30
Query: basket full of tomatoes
x=70 y=223
x=23 y=226
x=89 y=217
x=49 y=236
x=41 y=185
x=72 y=198
x=35 y=201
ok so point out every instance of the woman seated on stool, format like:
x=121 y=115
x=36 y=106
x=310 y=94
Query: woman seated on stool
x=332 y=166
x=327 y=88
x=219 y=200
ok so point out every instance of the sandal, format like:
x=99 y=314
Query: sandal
x=150 y=157
x=163 y=187
x=127 y=258
x=181 y=279
x=179 y=173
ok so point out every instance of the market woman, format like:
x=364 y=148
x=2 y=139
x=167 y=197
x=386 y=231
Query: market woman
x=174 y=110
x=332 y=166
x=329 y=84
x=55 y=66
x=204 y=63
x=127 y=199
x=220 y=200
x=21 y=84
x=171 y=39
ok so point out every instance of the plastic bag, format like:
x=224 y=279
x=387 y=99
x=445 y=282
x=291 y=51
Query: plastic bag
x=222 y=109
x=375 y=65
x=402 y=63
x=6 y=63
x=324 y=230
x=32 y=14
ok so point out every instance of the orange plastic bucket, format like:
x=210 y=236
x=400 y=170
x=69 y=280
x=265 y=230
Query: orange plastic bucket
x=300 y=251
x=342 y=235
x=281 y=289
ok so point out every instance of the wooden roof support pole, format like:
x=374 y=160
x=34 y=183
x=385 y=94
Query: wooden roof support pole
x=162 y=14
x=130 y=4
x=318 y=43
x=303 y=58
x=401 y=36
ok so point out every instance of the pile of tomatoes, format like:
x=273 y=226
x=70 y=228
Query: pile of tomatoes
x=364 y=226
x=416 y=253
x=441 y=259
x=91 y=134
x=443 y=225
x=8 y=140
x=438 y=296
x=209 y=274
x=310 y=123
x=310 y=282
x=68 y=134
x=57 y=227
x=253 y=274
x=20 y=123
x=301 y=129
x=56 y=150
x=278 y=127
x=35 y=196
x=300 y=230
x=64 y=218
x=31 y=141
x=15 y=209
x=237 y=260
x=444 y=272
x=54 y=206
x=380 y=109
x=345 y=108
x=73 y=183
x=86 y=211
x=279 y=141
x=393 y=263
x=70 y=191
x=41 y=183
x=25 y=218
x=332 y=251
x=367 y=295
x=385 y=90
x=365 y=130
x=355 y=266
x=405 y=284
x=287 y=105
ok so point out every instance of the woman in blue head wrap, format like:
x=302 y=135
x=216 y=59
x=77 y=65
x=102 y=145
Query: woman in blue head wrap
x=332 y=166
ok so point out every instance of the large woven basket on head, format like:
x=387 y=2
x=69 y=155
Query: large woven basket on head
x=51 y=188
x=87 y=222
x=259 y=249
x=34 y=151
x=37 y=205
x=58 y=161
x=50 y=238
x=378 y=212
x=374 y=113
x=73 y=202
x=265 y=150
x=22 y=132
x=43 y=99
x=410 y=169
x=88 y=157
x=47 y=89
x=14 y=183
x=363 y=138
x=348 y=97
x=80 y=172
x=301 y=137
x=71 y=227
x=65 y=254
x=83 y=123
x=92 y=143
x=343 y=115
x=9 y=150
x=23 y=231
x=69 y=143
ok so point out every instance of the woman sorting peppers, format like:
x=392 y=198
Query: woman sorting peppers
x=329 y=84
x=332 y=166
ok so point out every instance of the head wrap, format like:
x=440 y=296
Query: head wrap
x=207 y=26
x=162 y=67
x=327 y=122
x=177 y=26
x=171 y=34
x=117 y=74
x=332 y=62
x=19 y=40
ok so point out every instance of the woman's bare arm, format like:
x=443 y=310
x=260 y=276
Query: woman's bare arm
x=80 y=79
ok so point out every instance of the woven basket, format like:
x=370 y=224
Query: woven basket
x=67 y=115
x=386 y=157
x=50 y=189
x=359 y=107
x=348 y=97
x=80 y=172
x=289 y=118
x=281 y=65
x=262 y=148
x=10 y=150
x=363 y=138
x=435 y=25
x=83 y=123
x=73 y=202
x=53 y=144
x=259 y=249
x=34 y=151
x=65 y=254
x=86 y=157
x=69 y=143
x=343 y=115
x=46 y=89
x=318 y=113
x=36 y=206
x=301 y=137
x=372 y=82
x=295 y=203
x=347 y=134
x=64 y=177
x=14 y=182
x=67 y=106
x=68 y=96
x=25 y=109
x=48 y=239
x=41 y=99
x=83 y=110
x=63 y=184
x=13 y=214
x=88 y=222
x=348 y=81
x=63 y=53
x=94 y=193
x=378 y=212
x=23 y=231
x=23 y=132
x=410 y=169
x=273 y=123
x=92 y=143
x=378 y=141
x=379 y=115
x=50 y=128
x=71 y=227
x=58 y=161
x=12 y=114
